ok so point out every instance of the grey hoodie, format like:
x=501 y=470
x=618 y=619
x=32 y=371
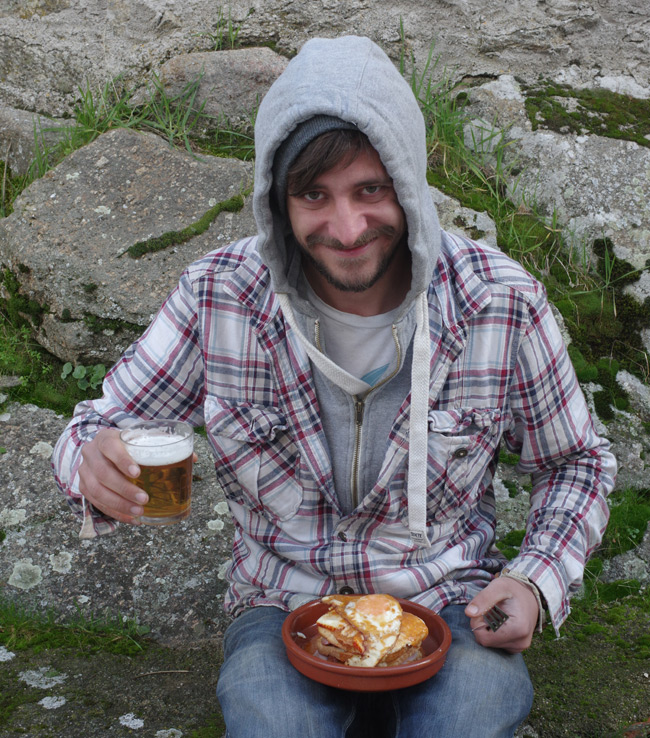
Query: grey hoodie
x=351 y=78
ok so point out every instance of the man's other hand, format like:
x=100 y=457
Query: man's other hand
x=516 y=600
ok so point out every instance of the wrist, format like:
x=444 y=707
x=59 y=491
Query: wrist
x=523 y=579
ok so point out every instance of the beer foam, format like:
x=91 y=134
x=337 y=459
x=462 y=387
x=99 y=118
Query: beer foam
x=158 y=449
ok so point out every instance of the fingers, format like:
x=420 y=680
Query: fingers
x=518 y=602
x=105 y=478
x=512 y=636
x=109 y=445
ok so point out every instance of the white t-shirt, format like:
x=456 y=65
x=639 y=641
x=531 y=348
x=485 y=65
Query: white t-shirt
x=363 y=346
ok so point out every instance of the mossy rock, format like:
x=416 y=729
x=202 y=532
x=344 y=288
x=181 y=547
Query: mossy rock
x=600 y=112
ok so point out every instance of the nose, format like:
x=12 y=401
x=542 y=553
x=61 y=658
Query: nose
x=348 y=221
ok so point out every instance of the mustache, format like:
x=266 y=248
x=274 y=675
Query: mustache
x=315 y=239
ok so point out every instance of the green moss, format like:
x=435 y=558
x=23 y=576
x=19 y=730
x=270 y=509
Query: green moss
x=599 y=112
x=96 y=324
x=585 y=372
x=601 y=644
x=174 y=238
x=12 y=697
x=18 y=309
x=475 y=233
x=612 y=395
x=607 y=322
x=642 y=647
x=505 y=457
x=514 y=538
x=215 y=726
x=594 y=568
x=591 y=628
x=603 y=406
x=512 y=488
x=615 y=591
x=511 y=542
x=628 y=521
x=613 y=269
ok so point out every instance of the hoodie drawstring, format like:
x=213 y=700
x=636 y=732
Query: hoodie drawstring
x=418 y=427
x=332 y=371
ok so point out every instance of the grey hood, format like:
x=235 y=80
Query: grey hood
x=349 y=78
x=352 y=79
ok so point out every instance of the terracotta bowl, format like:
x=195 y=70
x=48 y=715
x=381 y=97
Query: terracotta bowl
x=300 y=626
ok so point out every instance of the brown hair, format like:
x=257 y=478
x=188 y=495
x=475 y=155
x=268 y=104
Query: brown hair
x=334 y=148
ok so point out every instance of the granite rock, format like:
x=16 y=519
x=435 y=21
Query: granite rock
x=169 y=579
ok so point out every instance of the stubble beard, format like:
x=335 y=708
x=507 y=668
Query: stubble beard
x=352 y=284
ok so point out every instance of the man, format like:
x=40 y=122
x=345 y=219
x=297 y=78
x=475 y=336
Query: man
x=356 y=370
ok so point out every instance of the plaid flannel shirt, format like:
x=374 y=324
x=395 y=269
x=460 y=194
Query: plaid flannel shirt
x=220 y=354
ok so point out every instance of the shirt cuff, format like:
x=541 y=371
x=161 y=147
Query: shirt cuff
x=549 y=578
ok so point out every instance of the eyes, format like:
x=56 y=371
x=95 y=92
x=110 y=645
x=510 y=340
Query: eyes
x=367 y=192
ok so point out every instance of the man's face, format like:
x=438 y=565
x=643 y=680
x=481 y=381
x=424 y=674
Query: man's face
x=349 y=225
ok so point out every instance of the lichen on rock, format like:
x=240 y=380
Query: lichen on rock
x=25 y=575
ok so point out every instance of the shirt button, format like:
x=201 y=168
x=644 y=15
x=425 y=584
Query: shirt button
x=460 y=453
x=346 y=590
x=342 y=536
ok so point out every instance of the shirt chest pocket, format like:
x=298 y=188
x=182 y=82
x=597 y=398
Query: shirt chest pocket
x=462 y=445
x=257 y=462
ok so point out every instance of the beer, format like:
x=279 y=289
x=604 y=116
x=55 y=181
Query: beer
x=163 y=451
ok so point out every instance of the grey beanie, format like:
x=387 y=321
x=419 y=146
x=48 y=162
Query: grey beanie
x=294 y=143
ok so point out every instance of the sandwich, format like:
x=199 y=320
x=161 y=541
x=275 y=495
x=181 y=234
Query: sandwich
x=369 y=630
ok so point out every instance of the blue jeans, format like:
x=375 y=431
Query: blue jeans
x=479 y=693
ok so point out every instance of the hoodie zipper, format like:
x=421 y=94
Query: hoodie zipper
x=359 y=407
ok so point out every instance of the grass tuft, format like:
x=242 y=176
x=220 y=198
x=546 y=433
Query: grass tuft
x=23 y=629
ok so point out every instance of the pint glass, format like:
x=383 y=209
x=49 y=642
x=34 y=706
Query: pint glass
x=163 y=449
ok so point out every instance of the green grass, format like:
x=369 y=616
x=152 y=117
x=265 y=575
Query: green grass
x=22 y=629
x=225 y=31
x=39 y=372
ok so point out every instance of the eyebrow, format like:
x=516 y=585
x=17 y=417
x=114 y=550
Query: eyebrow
x=383 y=181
